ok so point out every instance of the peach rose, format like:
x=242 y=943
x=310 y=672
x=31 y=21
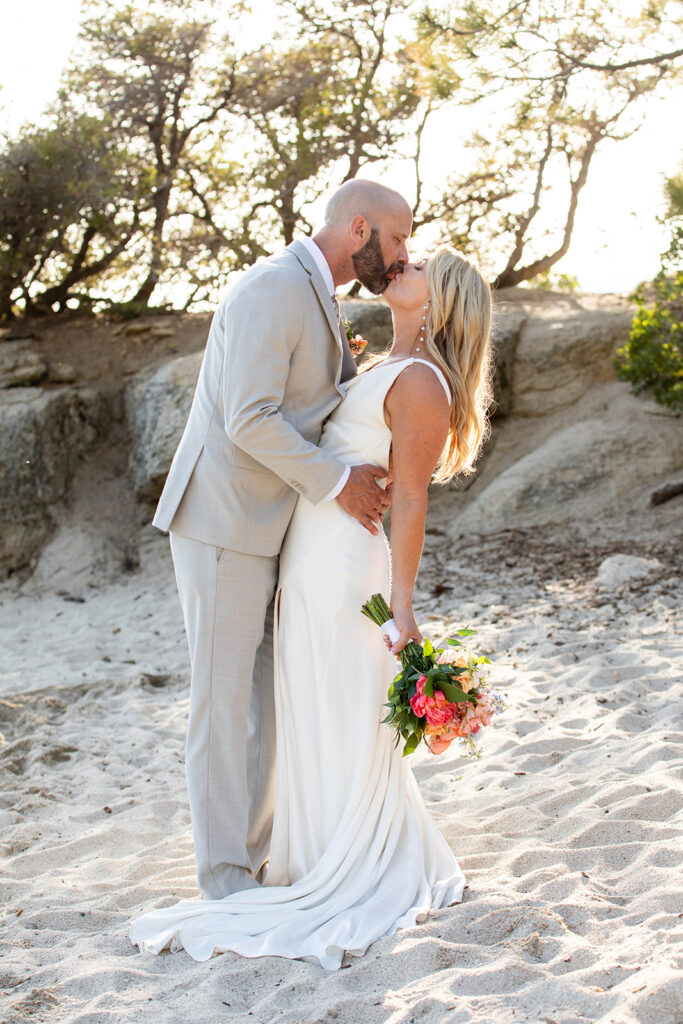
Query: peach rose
x=469 y=723
x=454 y=656
x=484 y=712
x=439 y=738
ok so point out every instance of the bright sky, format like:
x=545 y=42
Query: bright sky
x=616 y=240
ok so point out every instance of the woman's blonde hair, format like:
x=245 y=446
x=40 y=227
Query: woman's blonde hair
x=457 y=339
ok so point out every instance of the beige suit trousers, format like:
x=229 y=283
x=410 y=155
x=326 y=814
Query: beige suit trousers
x=227 y=601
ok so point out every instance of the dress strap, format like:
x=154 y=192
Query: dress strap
x=439 y=373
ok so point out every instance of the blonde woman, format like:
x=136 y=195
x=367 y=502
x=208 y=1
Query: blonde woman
x=355 y=854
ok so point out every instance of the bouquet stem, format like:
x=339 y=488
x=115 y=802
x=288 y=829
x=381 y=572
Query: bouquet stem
x=379 y=612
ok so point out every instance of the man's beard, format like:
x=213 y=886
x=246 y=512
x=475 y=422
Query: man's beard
x=368 y=263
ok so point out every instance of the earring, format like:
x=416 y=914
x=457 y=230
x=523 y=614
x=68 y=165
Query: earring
x=423 y=328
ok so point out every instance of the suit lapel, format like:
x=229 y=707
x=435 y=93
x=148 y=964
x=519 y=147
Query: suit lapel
x=347 y=367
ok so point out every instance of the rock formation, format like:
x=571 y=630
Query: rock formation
x=568 y=441
x=158 y=402
x=579 y=468
x=43 y=435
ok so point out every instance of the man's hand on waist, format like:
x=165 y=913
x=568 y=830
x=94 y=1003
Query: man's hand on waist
x=363 y=498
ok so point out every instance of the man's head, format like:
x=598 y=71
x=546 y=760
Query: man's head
x=365 y=233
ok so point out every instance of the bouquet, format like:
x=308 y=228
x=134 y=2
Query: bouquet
x=440 y=694
x=356 y=343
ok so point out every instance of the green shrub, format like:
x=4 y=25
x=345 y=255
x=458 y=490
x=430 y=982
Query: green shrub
x=653 y=355
x=554 y=282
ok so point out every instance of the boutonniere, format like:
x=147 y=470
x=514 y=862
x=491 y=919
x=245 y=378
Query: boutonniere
x=356 y=343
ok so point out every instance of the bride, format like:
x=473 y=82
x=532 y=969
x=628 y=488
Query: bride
x=355 y=855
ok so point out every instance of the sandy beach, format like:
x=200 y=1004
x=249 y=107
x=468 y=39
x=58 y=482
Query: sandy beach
x=207 y=212
x=566 y=828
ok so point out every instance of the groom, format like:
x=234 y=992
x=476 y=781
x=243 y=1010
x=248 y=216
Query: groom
x=273 y=369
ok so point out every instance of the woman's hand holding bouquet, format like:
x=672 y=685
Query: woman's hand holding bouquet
x=440 y=694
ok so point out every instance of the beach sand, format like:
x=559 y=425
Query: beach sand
x=568 y=828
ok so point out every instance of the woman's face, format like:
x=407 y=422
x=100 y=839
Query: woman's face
x=408 y=290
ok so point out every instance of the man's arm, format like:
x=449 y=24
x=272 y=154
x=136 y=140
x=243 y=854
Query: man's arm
x=264 y=326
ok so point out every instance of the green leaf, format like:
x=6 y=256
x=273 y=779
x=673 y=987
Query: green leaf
x=411 y=744
x=455 y=695
x=427 y=647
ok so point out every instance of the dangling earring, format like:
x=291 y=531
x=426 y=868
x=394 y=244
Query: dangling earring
x=423 y=329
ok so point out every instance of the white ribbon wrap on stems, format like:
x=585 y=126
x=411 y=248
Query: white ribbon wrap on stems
x=390 y=629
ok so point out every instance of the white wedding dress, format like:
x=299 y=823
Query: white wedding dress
x=355 y=854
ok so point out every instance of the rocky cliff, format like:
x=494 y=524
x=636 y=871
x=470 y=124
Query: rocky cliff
x=567 y=442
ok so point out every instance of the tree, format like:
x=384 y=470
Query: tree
x=67 y=212
x=163 y=76
x=192 y=158
x=334 y=94
x=557 y=78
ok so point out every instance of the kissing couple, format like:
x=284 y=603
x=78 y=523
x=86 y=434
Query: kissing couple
x=311 y=837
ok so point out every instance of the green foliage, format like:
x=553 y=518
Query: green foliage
x=652 y=358
x=554 y=282
x=65 y=209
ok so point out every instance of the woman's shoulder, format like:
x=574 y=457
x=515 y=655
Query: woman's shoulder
x=423 y=380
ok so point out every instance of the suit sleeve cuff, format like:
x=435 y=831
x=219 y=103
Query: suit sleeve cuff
x=338 y=487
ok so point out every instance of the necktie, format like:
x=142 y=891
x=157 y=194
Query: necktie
x=340 y=322
x=348 y=365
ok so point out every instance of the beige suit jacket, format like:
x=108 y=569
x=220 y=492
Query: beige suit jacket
x=272 y=372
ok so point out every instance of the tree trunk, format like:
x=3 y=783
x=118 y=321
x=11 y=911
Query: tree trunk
x=287 y=214
x=6 y=289
x=510 y=276
x=161 y=202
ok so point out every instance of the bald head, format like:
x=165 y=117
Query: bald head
x=365 y=199
x=365 y=233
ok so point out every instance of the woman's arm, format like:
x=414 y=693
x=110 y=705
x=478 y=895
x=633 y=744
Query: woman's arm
x=417 y=411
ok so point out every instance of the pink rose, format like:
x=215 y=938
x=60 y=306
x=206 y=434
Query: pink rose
x=419 y=702
x=439 y=710
x=419 y=705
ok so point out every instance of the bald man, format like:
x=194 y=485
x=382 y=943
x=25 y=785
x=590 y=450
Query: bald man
x=273 y=370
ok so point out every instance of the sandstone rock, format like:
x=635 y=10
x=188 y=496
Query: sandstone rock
x=161 y=331
x=19 y=365
x=43 y=434
x=158 y=403
x=76 y=557
x=561 y=353
x=371 y=318
x=132 y=328
x=617 y=570
x=589 y=466
x=62 y=373
x=505 y=335
x=549 y=349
